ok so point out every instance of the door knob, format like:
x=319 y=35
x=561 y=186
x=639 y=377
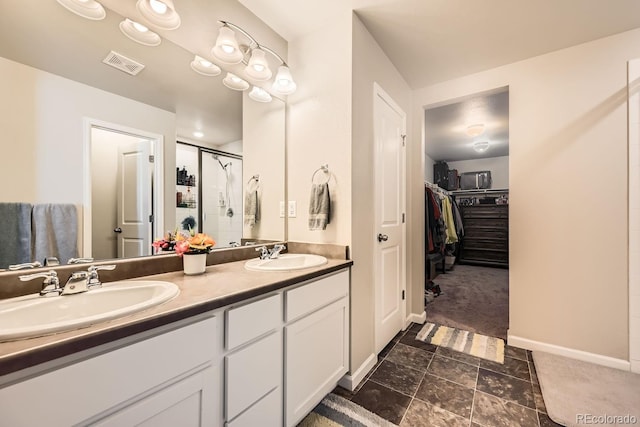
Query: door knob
x=117 y=230
x=382 y=237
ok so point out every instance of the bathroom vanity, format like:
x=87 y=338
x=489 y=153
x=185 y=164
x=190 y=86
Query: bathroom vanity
x=234 y=348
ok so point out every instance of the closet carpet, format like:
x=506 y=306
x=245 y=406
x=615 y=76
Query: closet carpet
x=473 y=298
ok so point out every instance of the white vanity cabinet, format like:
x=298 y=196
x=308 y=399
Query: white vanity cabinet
x=253 y=365
x=316 y=342
x=166 y=379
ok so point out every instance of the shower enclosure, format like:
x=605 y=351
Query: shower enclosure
x=216 y=189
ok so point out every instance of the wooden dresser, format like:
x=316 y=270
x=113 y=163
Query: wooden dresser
x=486 y=235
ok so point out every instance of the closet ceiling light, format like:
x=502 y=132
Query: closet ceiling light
x=475 y=130
x=198 y=134
x=162 y=14
x=481 y=146
x=234 y=82
x=260 y=95
x=139 y=33
x=205 y=67
x=89 y=9
x=226 y=48
x=284 y=84
x=258 y=67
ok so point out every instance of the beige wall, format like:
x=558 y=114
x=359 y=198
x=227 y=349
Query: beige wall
x=499 y=167
x=568 y=191
x=42 y=115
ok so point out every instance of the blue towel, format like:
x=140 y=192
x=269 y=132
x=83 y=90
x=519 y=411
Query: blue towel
x=55 y=232
x=15 y=222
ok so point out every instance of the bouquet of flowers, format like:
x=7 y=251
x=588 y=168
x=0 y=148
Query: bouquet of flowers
x=181 y=243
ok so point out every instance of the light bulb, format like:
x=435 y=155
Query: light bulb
x=158 y=7
x=139 y=27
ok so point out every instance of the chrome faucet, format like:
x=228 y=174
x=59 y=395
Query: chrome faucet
x=50 y=285
x=24 y=266
x=82 y=281
x=275 y=252
x=264 y=252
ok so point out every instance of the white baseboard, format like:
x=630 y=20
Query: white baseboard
x=415 y=318
x=571 y=353
x=351 y=381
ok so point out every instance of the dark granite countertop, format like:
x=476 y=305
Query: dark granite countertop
x=221 y=285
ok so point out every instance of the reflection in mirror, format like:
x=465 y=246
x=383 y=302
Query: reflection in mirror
x=54 y=92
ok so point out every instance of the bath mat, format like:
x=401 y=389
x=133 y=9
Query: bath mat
x=482 y=346
x=336 y=411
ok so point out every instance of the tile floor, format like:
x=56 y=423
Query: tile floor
x=419 y=384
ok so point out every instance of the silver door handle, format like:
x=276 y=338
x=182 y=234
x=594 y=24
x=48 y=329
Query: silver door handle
x=382 y=237
x=117 y=230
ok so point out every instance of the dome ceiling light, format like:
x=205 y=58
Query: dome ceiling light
x=205 y=67
x=259 y=95
x=475 y=130
x=234 y=82
x=481 y=146
x=162 y=14
x=89 y=9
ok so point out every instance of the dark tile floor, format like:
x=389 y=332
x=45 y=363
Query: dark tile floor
x=419 y=384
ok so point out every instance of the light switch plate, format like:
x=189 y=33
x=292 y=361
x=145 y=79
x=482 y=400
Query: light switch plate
x=282 y=209
x=293 y=210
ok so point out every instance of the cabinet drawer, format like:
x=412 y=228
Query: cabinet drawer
x=494 y=211
x=266 y=413
x=469 y=243
x=251 y=373
x=312 y=296
x=250 y=321
x=488 y=255
x=481 y=232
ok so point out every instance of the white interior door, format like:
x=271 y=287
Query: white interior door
x=134 y=188
x=389 y=238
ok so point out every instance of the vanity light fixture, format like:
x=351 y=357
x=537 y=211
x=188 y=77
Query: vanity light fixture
x=234 y=82
x=205 y=67
x=253 y=55
x=475 y=130
x=481 y=146
x=89 y=9
x=139 y=33
x=260 y=95
x=161 y=13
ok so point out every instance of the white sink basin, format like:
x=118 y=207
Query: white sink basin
x=286 y=262
x=33 y=315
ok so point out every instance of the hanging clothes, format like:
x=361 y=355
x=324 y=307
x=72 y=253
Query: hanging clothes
x=436 y=229
x=447 y=215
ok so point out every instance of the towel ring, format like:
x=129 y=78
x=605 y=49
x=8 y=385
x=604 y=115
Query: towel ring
x=254 y=179
x=325 y=169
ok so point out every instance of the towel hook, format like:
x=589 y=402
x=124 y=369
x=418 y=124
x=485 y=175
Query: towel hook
x=255 y=177
x=324 y=168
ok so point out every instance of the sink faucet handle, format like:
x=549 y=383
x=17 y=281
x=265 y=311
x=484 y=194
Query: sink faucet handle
x=275 y=252
x=264 y=252
x=24 y=266
x=51 y=283
x=94 y=280
x=79 y=260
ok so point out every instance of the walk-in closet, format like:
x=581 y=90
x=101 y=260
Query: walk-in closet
x=466 y=200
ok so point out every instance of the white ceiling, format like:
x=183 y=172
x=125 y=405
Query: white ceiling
x=431 y=41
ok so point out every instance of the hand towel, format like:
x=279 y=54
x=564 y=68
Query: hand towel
x=251 y=208
x=55 y=231
x=16 y=227
x=319 y=207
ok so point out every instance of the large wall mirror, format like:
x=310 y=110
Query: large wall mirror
x=69 y=120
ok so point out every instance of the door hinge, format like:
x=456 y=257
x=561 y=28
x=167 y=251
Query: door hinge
x=403 y=296
x=152 y=158
x=403 y=218
x=404 y=139
x=151 y=218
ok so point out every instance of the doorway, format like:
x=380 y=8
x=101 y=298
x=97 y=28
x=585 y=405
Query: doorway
x=123 y=191
x=467 y=254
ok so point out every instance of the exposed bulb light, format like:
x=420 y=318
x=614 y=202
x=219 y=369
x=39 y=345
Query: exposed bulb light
x=139 y=33
x=258 y=67
x=475 y=130
x=226 y=49
x=89 y=9
x=481 y=146
x=284 y=84
x=198 y=134
x=205 y=67
x=234 y=82
x=260 y=95
x=162 y=14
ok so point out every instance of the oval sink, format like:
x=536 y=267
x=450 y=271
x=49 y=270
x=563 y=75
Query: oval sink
x=285 y=262
x=33 y=315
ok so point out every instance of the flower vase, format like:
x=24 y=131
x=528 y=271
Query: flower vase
x=194 y=264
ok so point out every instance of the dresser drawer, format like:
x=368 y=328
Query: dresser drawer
x=315 y=295
x=470 y=243
x=487 y=255
x=492 y=211
x=484 y=232
x=251 y=373
x=252 y=320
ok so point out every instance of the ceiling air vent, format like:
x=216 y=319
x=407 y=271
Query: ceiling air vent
x=123 y=63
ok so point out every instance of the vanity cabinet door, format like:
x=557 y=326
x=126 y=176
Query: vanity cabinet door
x=316 y=355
